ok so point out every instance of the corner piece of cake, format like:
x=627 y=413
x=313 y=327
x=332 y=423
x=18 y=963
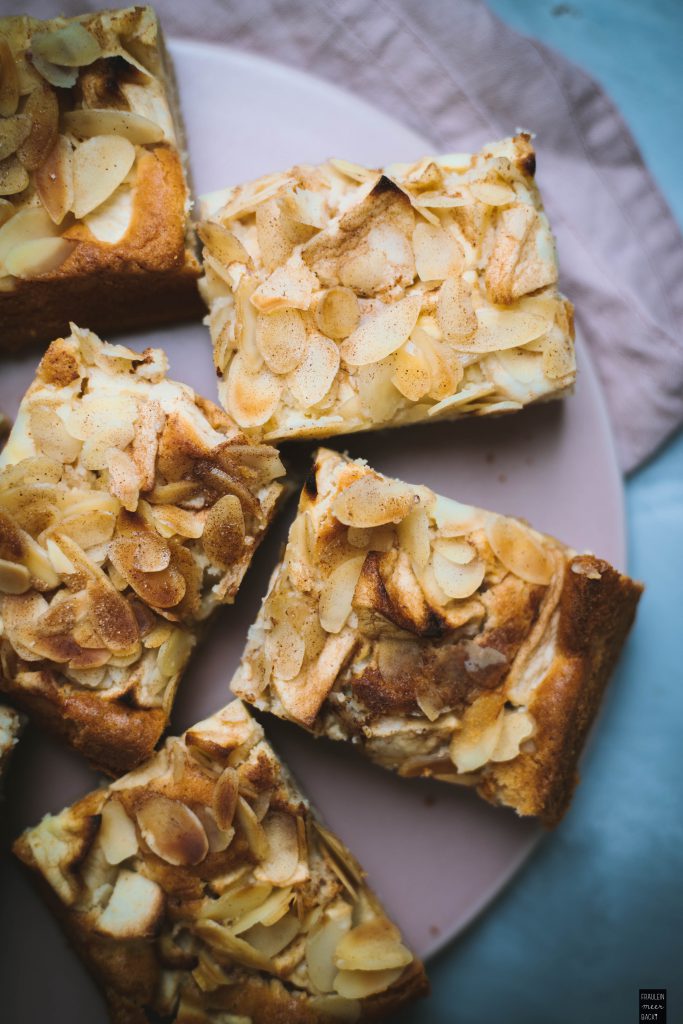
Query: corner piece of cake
x=129 y=509
x=440 y=639
x=11 y=725
x=202 y=888
x=345 y=299
x=94 y=200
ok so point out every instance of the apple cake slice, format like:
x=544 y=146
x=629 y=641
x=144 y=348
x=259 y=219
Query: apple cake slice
x=441 y=639
x=201 y=888
x=345 y=299
x=129 y=509
x=94 y=200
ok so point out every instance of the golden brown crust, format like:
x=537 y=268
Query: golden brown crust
x=196 y=955
x=147 y=278
x=443 y=640
x=595 y=615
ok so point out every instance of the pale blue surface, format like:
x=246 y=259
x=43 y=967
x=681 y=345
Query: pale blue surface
x=598 y=911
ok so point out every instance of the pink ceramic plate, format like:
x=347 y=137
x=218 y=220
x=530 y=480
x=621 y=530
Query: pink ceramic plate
x=436 y=854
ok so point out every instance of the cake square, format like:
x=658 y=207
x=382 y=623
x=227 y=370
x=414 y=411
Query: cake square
x=94 y=199
x=201 y=888
x=442 y=640
x=345 y=299
x=130 y=508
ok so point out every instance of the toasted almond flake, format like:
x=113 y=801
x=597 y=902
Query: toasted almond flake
x=321 y=943
x=54 y=74
x=361 y=984
x=222 y=243
x=172 y=831
x=443 y=366
x=458 y=581
x=466 y=396
x=413 y=536
x=437 y=253
x=285 y=648
x=252 y=398
x=281 y=339
x=283 y=849
x=492 y=193
x=337 y=313
x=174 y=652
x=472 y=746
x=13 y=131
x=272 y=939
x=313 y=377
x=503 y=328
x=224 y=531
x=100 y=165
x=559 y=359
x=55 y=181
x=88 y=122
x=224 y=800
x=289 y=286
x=236 y=903
x=374 y=501
x=117 y=833
x=519 y=550
x=337 y=593
x=411 y=374
x=42 y=109
x=380 y=335
x=14 y=578
x=9 y=80
x=71 y=46
x=134 y=909
x=253 y=829
x=374 y=945
x=13 y=177
x=458 y=551
x=517 y=727
x=236 y=949
x=454 y=311
x=39 y=256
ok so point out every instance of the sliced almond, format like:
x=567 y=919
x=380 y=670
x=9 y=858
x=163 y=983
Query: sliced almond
x=437 y=253
x=362 y=984
x=455 y=550
x=413 y=536
x=454 y=519
x=288 y=287
x=458 y=581
x=224 y=531
x=13 y=131
x=311 y=380
x=374 y=945
x=252 y=829
x=71 y=46
x=13 y=177
x=281 y=338
x=42 y=109
x=559 y=359
x=283 y=849
x=54 y=74
x=174 y=652
x=492 y=193
x=285 y=648
x=139 y=130
x=225 y=794
x=454 y=311
x=519 y=550
x=411 y=374
x=236 y=903
x=272 y=939
x=252 y=398
x=374 y=501
x=54 y=180
x=473 y=744
x=14 y=578
x=236 y=949
x=337 y=313
x=222 y=244
x=9 y=80
x=337 y=593
x=500 y=328
x=39 y=256
x=100 y=165
x=172 y=831
x=517 y=727
x=380 y=335
x=135 y=908
x=117 y=833
x=321 y=943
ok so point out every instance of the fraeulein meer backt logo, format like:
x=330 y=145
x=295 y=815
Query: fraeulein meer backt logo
x=652 y=1002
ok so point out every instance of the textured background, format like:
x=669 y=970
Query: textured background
x=598 y=911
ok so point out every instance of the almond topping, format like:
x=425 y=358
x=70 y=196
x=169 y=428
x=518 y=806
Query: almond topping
x=14 y=578
x=454 y=312
x=225 y=794
x=380 y=335
x=71 y=46
x=43 y=111
x=374 y=501
x=9 y=80
x=458 y=581
x=321 y=943
x=117 y=833
x=411 y=374
x=413 y=536
x=100 y=165
x=337 y=313
x=126 y=124
x=55 y=180
x=337 y=593
x=252 y=398
x=13 y=177
x=224 y=531
x=13 y=131
x=519 y=550
x=222 y=244
x=315 y=374
x=172 y=831
x=437 y=254
x=361 y=984
x=374 y=945
x=283 y=849
x=285 y=648
x=39 y=256
x=281 y=338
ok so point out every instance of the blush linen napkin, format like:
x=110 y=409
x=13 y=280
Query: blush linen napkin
x=459 y=77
